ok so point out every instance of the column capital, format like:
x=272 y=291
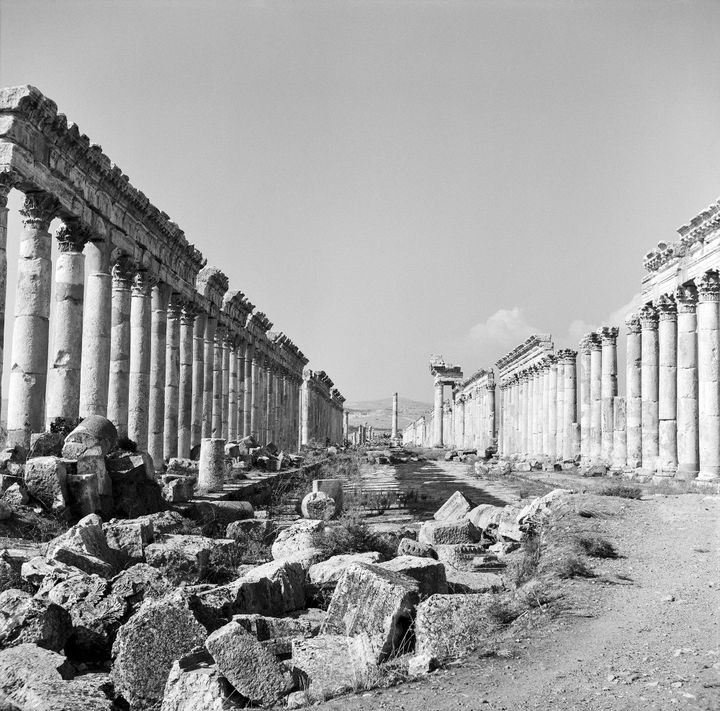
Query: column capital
x=123 y=270
x=39 y=210
x=189 y=313
x=632 y=323
x=666 y=308
x=608 y=335
x=648 y=317
x=72 y=237
x=174 y=308
x=567 y=356
x=686 y=297
x=708 y=286
x=589 y=342
x=142 y=283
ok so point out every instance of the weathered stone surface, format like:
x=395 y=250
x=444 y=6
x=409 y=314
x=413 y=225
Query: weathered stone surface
x=5 y=510
x=25 y=664
x=37 y=569
x=537 y=508
x=508 y=527
x=275 y=588
x=135 y=490
x=222 y=512
x=330 y=664
x=448 y=626
x=178 y=489
x=195 y=684
x=93 y=431
x=485 y=517
x=371 y=600
x=128 y=539
x=193 y=552
x=84 y=546
x=46 y=481
x=183 y=467
x=251 y=668
x=25 y=619
x=259 y=529
x=46 y=444
x=164 y=521
x=16 y=495
x=328 y=572
x=138 y=583
x=468 y=581
x=83 y=494
x=459 y=555
x=429 y=573
x=213 y=465
x=421 y=550
x=300 y=542
x=333 y=488
x=162 y=631
x=317 y=505
x=454 y=508
x=448 y=531
x=278 y=632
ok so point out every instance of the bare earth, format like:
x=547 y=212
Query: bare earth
x=644 y=634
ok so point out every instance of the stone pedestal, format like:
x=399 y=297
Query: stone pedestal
x=185 y=395
x=687 y=383
x=211 y=469
x=198 y=378
x=63 y=393
x=608 y=390
x=649 y=387
x=158 y=346
x=172 y=379
x=123 y=272
x=140 y=340
x=26 y=398
x=633 y=402
x=667 y=387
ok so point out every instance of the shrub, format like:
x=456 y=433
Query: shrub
x=571 y=566
x=501 y=612
x=524 y=566
x=352 y=535
x=621 y=490
x=596 y=547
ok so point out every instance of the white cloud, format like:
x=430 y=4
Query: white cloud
x=578 y=328
x=504 y=327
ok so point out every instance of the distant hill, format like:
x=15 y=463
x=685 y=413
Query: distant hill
x=378 y=413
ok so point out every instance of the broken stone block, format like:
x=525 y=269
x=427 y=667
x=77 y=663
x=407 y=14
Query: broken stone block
x=135 y=490
x=191 y=552
x=162 y=631
x=454 y=508
x=452 y=531
x=274 y=588
x=46 y=481
x=508 y=527
x=459 y=555
x=421 y=664
x=37 y=569
x=318 y=505
x=165 y=521
x=594 y=470
x=178 y=489
x=277 y=633
x=429 y=573
x=533 y=512
x=502 y=548
x=469 y=581
x=371 y=600
x=46 y=444
x=485 y=517
x=24 y=664
x=138 y=583
x=328 y=572
x=331 y=664
x=182 y=467
x=251 y=668
x=129 y=539
x=448 y=626
x=91 y=432
x=523 y=467
x=481 y=469
x=12 y=461
x=258 y=529
x=333 y=488
x=222 y=512
x=300 y=542
x=421 y=550
x=25 y=619
x=195 y=684
x=84 y=546
x=16 y=495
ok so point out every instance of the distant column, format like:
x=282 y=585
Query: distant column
x=172 y=378
x=156 y=414
x=394 y=433
x=225 y=399
x=687 y=383
x=269 y=390
x=708 y=286
x=140 y=340
x=595 y=398
x=254 y=395
x=649 y=386
x=185 y=395
x=198 y=379
x=667 y=386
x=241 y=389
x=633 y=387
x=524 y=414
x=248 y=395
x=490 y=410
x=585 y=349
x=608 y=390
x=552 y=405
x=438 y=415
x=560 y=417
x=569 y=358
x=218 y=394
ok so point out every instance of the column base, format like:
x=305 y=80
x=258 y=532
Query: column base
x=686 y=473
x=709 y=474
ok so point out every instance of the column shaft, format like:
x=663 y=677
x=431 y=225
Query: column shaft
x=667 y=387
x=649 y=387
x=140 y=343
x=585 y=397
x=232 y=418
x=172 y=380
x=119 y=386
x=633 y=387
x=595 y=399
x=158 y=355
x=198 y=379
x=209 y=378
x=187 y=324
x=687 y=383
x=438 y=415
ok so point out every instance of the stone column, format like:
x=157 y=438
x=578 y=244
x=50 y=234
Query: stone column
x=172 y=378
x=209 y=384
x=561 y=432
x=667 y=386
x=649 y=387
x=6 y=184
x=552 y=406
x=633 y=388
x=198 y=379
x=63 y=393
x=517 y=415
x=217 y=405
x=254 y=395
x=490 y=416
x=97 y=325
x=346 y=425
x=26 y=400
x=687 y=383
x=248 y=395
x=394 y=433
x=211 y=470
x=708 y=287
x=123 y=272
x=232 y=418
x=595 y=398
x=240 y=390
x=140 y=344
x=539 y=419
x=305 y=414
x=585 y=349
x=524 y=414
x=569 y=358
x=225 y=400
x=438 y=415
x=187 y=323
x=531 y=421
x=158 y=355
x=269 y=390
x=608 y=390
x=619 y=450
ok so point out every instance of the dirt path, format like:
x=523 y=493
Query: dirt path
x=645 y=634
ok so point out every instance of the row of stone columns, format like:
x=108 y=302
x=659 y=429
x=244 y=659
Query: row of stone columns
x=474 y=421
x=322 y=410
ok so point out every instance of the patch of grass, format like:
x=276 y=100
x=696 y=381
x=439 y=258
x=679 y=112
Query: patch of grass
x=571 y=566
x=352 y=535
x=621 y=490
x=502 y=612
x=596 y=547
x=524 y=567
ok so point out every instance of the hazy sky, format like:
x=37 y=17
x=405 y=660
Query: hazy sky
x=388 y=180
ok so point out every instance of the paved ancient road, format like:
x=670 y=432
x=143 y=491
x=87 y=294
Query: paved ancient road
x=651 y=642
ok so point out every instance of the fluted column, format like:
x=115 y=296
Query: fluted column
x=26 y=400
x=63 y=392
x=687 y=382
x=254 y=395
x=560 y=416
x=209 y=383
x=633 y=388
x=608 y=390
x=552 y=406
x=532 y=411
x=172 y=379
x=225 y=400
x=232 y=397
x=187 y=324
x=585 y=349
x=595 y=398
x=708 y=287
x=218 y=382
x=667 y=386
x=140 y=343
x=248 y=395
x=6 y=184
x=158 y=355
x=569 y=358
x=649 y=387
x=123 y=272
x=198 y=379
x=438 y=415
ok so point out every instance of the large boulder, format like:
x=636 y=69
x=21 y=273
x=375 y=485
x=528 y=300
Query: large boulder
x=135 y=490
x=93 y=431
x=371 y=600
x=46 y=481
x=25 y=619
x=162 y=631
x=485 y=517
x=448 y=531
x=262 y=530
x=299 y=541
x=24 y=664
x=84 y=546
x=454 y=508
x=250 y=667
x=36 y=570
x=138 y=583
x=328 y=572
x=128 y=539
x=429 y=573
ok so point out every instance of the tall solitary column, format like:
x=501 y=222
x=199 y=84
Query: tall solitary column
x=185 y=395
x=595 y=398
x=248 y=395
x=608 y=389
x=687 y=383
x=123 y=272
x=708 y=286
x=394 y=433
x=633 y=388
x=585 y=349
x=209 y=385
x=438 y=415
x=158 y=339
x=26 y=400
x=97 y=325
x=569 y=358
x=172 y=379
x=198 y=379
x=6 y=184
x=552 y=406
x=649 y=387
x=667 y=386
x=140 y=340
x=63 y=394
x=232 y=398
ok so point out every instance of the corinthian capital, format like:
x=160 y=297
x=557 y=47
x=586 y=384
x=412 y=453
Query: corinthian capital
x=708 y=286
x=648 y=317
x=7 y=182
x=123 y=271
x=632 y=323
x=608 y=335
x=39 y=210
x=142 y=284
x=72 y=236
x=666 y=308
